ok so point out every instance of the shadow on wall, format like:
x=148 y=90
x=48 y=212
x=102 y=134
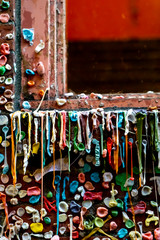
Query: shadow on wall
x=115 y=66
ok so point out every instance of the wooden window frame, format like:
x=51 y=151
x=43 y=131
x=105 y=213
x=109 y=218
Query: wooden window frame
x=55 y=60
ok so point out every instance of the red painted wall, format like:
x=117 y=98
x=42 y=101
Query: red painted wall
x=112 y=19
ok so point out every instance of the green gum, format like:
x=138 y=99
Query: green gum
x=152 y=138
x=80 y=146
x=140 y=117
x=156 y=139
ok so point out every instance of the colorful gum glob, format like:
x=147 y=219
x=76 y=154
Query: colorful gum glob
x=47 y=220
x=75 y=207
x=60 y=101
x=75 y=235
x=86 y=168
x=1 y=157
x=157 y=233
x=3 y=100
x=3 y=60
x=95 y=177
x=135 y=235
x=40 y=68
x=76 y=220
x=88 y=222
x=102 y=212
x=65 y=180
x=122 y=233
x=26 y=105
x=99 y=222
x=31 y=83
x=150 y=219
x=5 y=49
x=74 y=116
x=40 y=46
x=146 y=190
x=154 y=204
x=23 y=134
x=120 y=203
x=147 y=236
x=28 y=34
x=55 y=237
x=8 y=93
x=49 y=194
x=36 y=227
x=81 y=177
x=129 y=224
x=121 y=179
x=105 y=185
x=41 y=93
x=157 y=170
x=89 y=186
x=34 y=199
x=9 y=81
x=29 y=72
x=9 y=106
x=73 y=186
x=114 y=213
x=62 y=230
x=62 y=217
x=113 y=226
x=140 y=208
x=107 y=177
x=5 y=4
x=3 y=120
x=63 y=206
x=87 y=204
x=2 y=79
x=97 y=152
x=33 y=191
x=104 y=154
x=4 y=17
x=92 y=196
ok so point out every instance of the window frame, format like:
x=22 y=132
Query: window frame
x=56 y=66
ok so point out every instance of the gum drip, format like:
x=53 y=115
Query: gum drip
x=41 y=165
x=116 y=152
x=3 y=198
x=13 y=164
x=53 y=165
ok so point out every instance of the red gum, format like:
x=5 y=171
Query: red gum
x=33 y=191
x=5 y=49
x=139 y=208
x=75 y=234
x=105 y=185
x=147 y=236
x=81 y=177
x=109 y=148
x=48 y=205
x=92 y=196
x=3 y=60
x=76 y=220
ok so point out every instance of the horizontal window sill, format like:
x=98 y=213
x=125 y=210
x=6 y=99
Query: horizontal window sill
x=132 y=100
